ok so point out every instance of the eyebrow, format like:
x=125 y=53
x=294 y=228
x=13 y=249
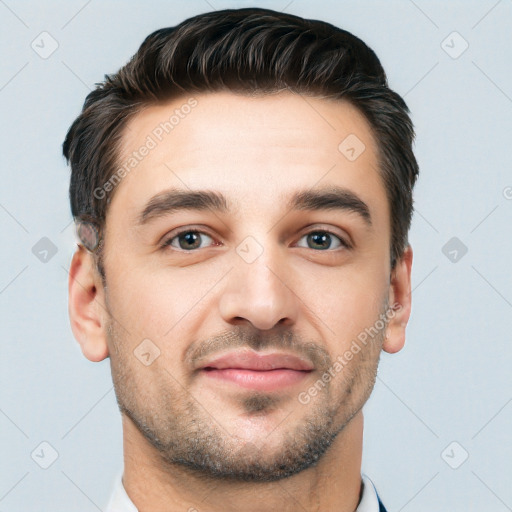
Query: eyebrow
x=331 y=198
x=172 y=201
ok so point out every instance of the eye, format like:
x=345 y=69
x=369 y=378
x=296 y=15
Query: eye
x=190 y=240
x=323 y=240
x=187 y=240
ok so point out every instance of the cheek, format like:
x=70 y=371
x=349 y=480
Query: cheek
x=343 y=303
x=136 y=300
x=153 y=302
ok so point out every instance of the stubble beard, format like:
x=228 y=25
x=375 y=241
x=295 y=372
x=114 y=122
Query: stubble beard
x=186 y=435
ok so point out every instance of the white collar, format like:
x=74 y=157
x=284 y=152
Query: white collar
x=120 y=502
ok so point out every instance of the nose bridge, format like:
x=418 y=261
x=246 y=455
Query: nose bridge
x=257 y=289
x=264 y=274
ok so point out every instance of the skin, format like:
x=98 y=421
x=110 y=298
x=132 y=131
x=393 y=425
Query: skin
x=295 y=296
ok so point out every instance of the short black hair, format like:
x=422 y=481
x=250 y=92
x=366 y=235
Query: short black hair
x=249 y=51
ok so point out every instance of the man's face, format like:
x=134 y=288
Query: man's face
x=257 y=277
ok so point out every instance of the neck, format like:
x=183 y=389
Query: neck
x=332 y=485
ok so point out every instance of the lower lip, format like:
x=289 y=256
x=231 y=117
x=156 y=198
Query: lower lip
x=268 y=380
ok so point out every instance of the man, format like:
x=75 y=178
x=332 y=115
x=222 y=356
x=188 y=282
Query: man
x=245 y=183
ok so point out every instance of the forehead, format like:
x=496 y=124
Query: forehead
x=257 y=150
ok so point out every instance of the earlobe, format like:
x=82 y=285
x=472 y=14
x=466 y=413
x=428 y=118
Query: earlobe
x=399 y=303
x=87 y=311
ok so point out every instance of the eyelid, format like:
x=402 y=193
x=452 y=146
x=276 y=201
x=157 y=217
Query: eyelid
x=344 y=238
x=165 y=241
x=345 y=241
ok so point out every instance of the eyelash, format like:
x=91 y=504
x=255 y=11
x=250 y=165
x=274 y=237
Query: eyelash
x=167 y=243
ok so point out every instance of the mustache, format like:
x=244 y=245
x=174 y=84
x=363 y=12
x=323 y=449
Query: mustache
x=240 y=337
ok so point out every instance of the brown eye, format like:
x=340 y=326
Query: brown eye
x=187 y=240
x=323 y=240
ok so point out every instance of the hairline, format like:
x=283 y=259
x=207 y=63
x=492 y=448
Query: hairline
x=257 y=93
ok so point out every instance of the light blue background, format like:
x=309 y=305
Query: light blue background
x=452 y=381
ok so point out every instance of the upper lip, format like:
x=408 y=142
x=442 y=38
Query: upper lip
x=249 y=360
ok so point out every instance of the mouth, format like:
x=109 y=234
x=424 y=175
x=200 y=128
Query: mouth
x=248 y=369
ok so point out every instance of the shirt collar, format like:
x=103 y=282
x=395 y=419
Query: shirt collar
x=120 y=502
x=369 y=499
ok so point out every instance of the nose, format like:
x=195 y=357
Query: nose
x=260 y=292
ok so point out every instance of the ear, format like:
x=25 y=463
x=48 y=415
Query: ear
x=399 y=303
x=87 y=311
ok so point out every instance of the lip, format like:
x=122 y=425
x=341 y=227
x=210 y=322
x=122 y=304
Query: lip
x=263 y=372
x=250 y=360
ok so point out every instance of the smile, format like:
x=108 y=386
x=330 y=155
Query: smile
x=265 y=372
x=263 y=380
